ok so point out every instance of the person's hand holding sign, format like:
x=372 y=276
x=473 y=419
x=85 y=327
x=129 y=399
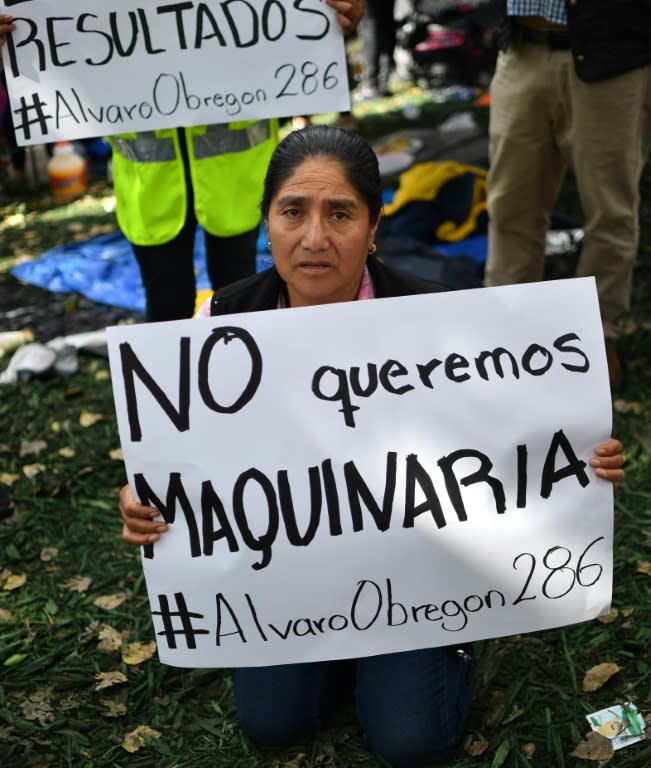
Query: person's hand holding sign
x=139 y=526
x=349 y=13
x=6 y=25
x=608 y=462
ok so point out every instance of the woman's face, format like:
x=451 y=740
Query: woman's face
x=320 y=234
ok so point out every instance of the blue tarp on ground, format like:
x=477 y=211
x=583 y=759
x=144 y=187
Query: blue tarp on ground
x=104 y=269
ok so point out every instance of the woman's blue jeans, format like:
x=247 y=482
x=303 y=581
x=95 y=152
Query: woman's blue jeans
x=412 y=705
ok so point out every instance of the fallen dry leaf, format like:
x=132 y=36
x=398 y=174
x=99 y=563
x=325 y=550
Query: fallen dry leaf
x=102 y=375
x=31 y=470
x=297 y=762
x=32 y=448
x=599 y=675
x=8 y=478
x=137 y=653
x=5 y=616
x=57 y=426
x=37 y=706
x=68 y=703
x=629 y=326
x=99 y=229
x=594 y=747
x=609 y=617
x=528 y=750
x=644 y=566
x=89 y=630
x=108 y=602
x=133 y=741
x=628 y=406
x=14 y=220
x=109 y=679
x=87 y=419
x=78 y=583
x=14 y=581
x=113 y=708
x=67 y=453
x=109 y=639
x=496 y=706
x=478 y=747
x=116 y=453
x=48 y=553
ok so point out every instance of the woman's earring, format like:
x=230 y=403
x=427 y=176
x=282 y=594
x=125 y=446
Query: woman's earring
x=269 y=244
x=372 y=249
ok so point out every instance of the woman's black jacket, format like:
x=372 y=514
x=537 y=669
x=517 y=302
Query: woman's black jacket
x=261 y=291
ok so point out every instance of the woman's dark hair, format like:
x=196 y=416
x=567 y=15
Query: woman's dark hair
x=357 y=159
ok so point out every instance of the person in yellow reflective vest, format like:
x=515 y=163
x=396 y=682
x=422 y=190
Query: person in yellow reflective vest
x=168 y=180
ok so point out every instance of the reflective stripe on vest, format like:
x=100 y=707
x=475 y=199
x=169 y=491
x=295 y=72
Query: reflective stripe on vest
x=220 y=140
x=216 y=140
x=145 y=148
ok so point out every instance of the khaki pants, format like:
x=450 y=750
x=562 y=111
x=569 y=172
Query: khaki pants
x=544 y=119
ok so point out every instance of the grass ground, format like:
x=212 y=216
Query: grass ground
x=76 y=676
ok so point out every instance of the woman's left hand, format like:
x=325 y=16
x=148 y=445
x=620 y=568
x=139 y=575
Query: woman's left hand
x=608 y=462
x=349 y=13
x=6 y=25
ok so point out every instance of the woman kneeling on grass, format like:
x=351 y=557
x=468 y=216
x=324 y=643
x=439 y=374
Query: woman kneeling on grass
x=322 y=206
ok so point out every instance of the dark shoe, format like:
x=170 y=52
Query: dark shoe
x=614 y=364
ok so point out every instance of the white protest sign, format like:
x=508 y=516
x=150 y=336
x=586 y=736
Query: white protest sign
x=372 y=476
x=98 y=68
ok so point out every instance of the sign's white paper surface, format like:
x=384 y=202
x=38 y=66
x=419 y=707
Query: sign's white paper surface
x=85 y=69
x=370 y=477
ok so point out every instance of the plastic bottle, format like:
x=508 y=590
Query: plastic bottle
x=66 y=172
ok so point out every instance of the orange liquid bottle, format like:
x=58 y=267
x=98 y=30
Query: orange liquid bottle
x=66 y=172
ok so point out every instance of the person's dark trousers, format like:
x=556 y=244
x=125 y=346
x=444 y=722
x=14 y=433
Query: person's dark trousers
x=377 y=31
x=412 y=705
x=167 y=270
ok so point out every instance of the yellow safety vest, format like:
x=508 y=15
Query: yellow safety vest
x=227 y=163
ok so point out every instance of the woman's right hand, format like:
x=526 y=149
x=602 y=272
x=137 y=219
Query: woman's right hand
x=139 y=527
